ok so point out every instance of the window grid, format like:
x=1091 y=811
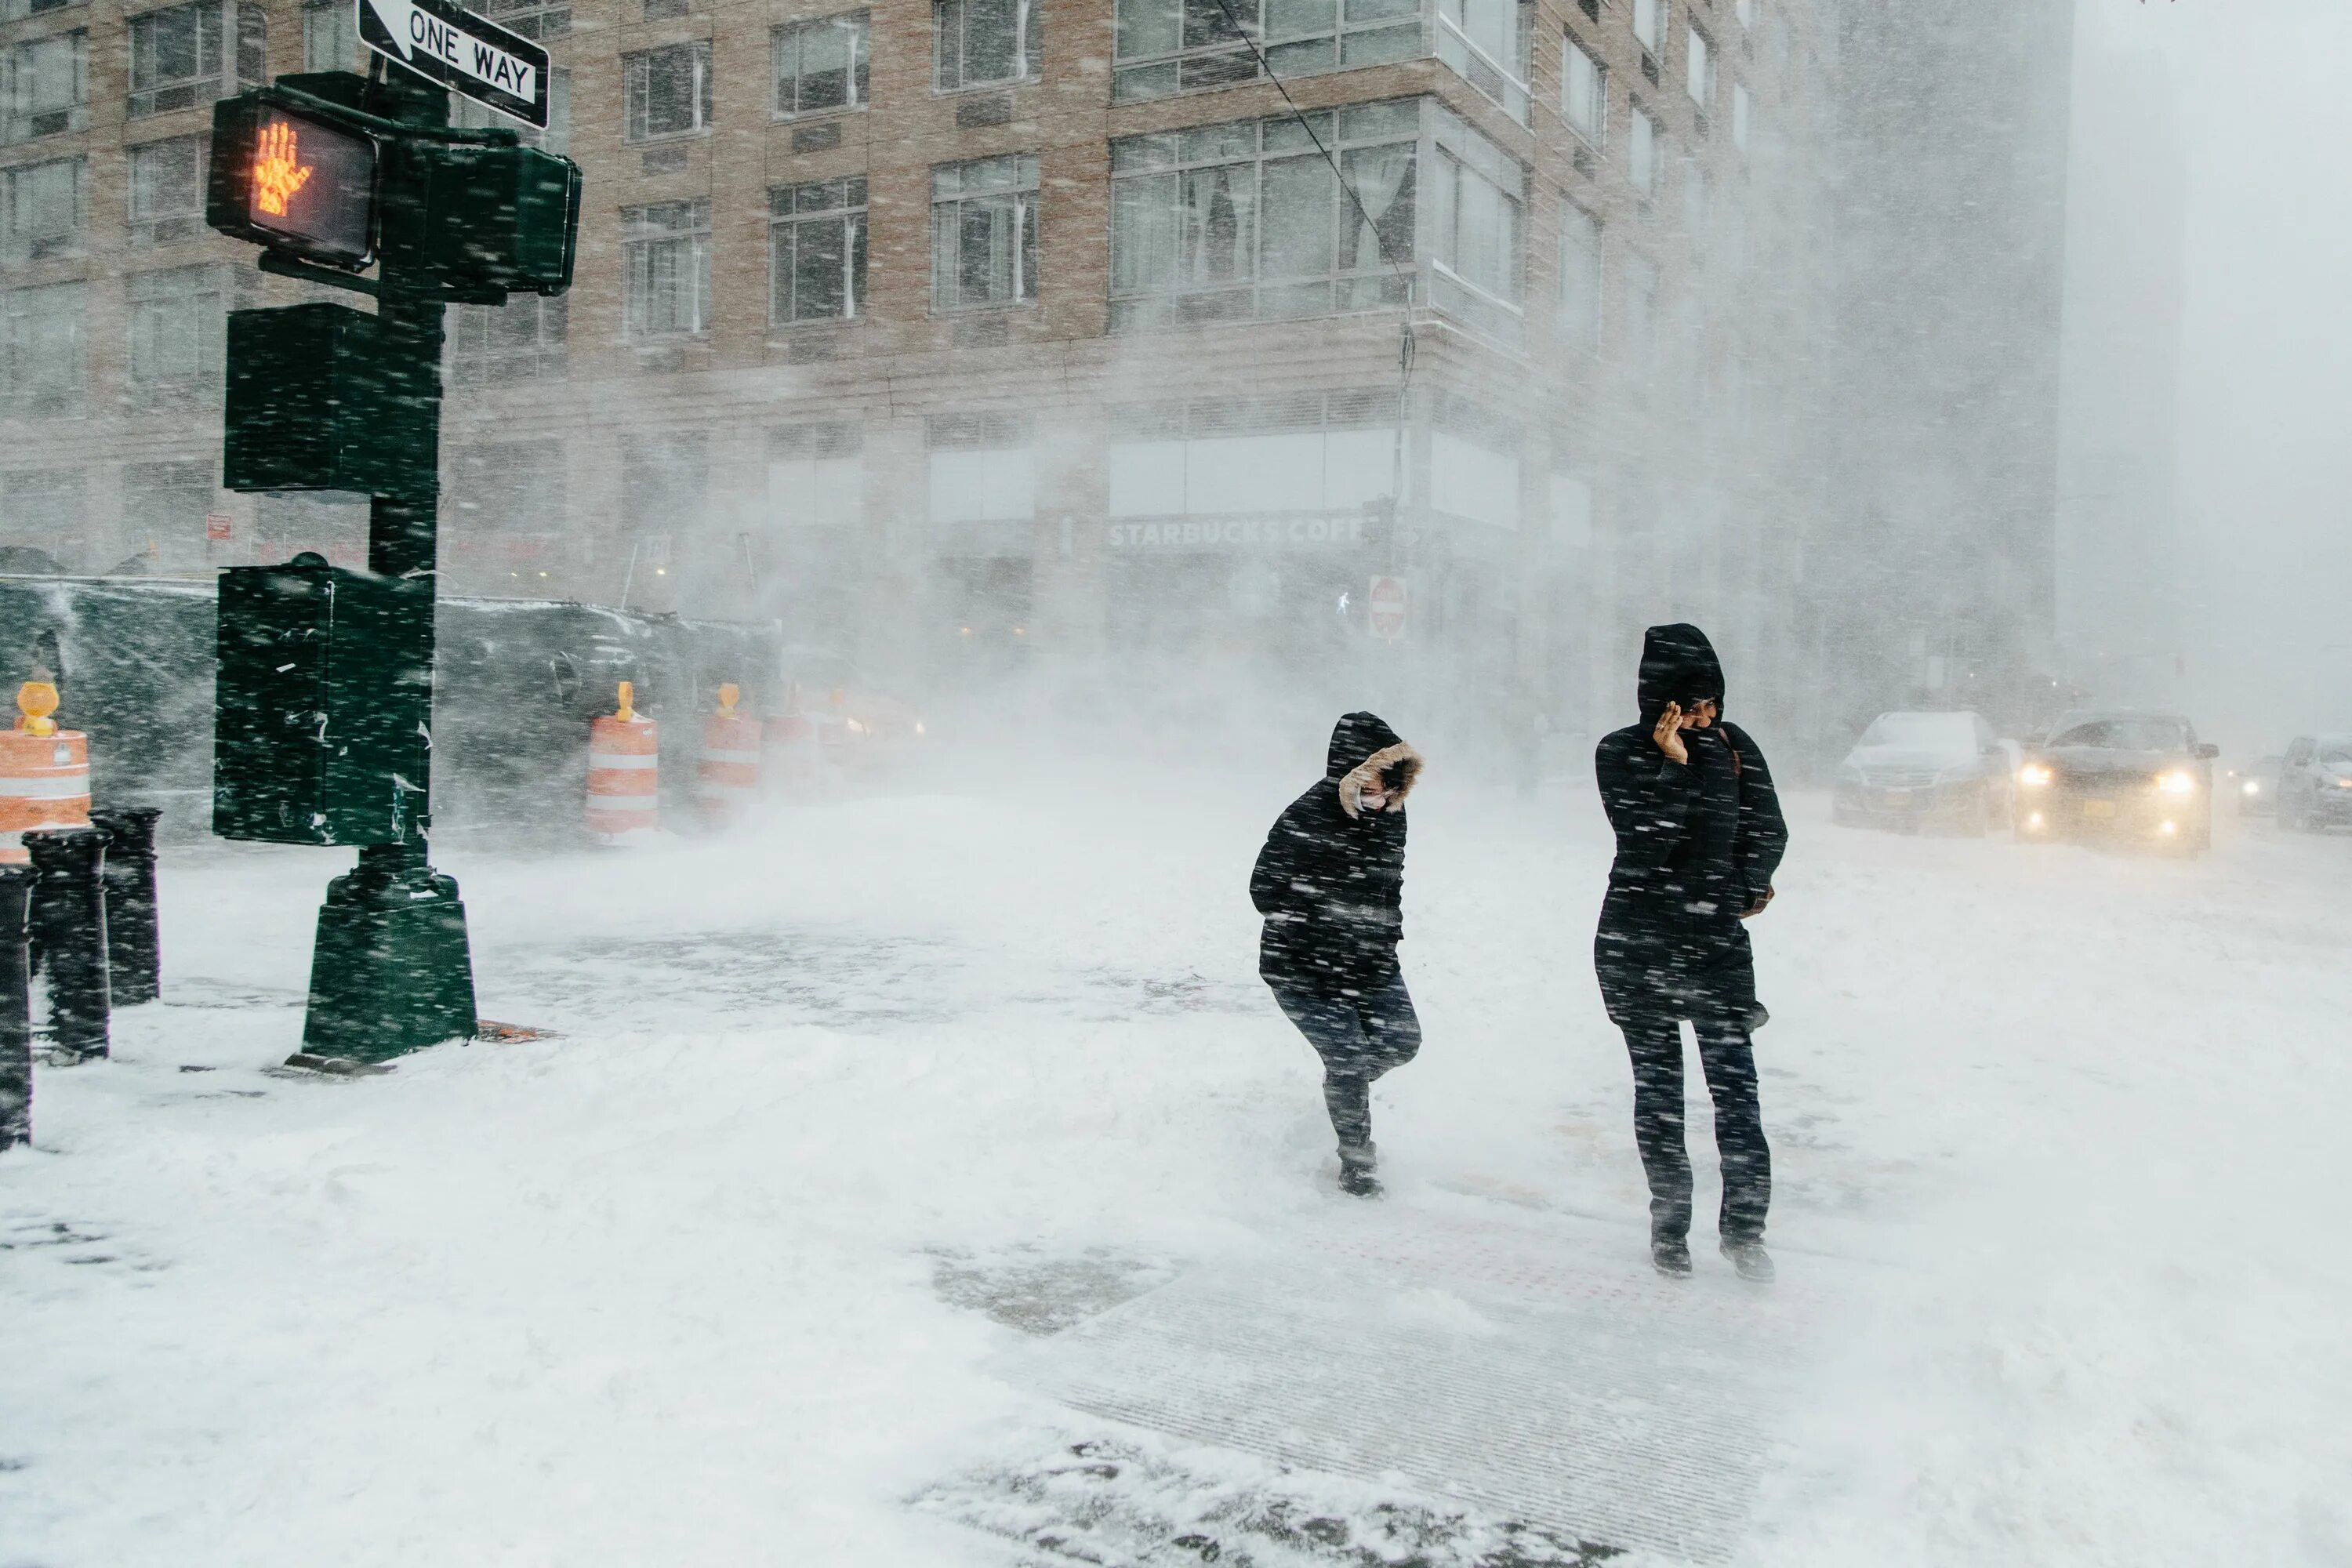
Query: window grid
x=1246 y=221
x=1584 y=92
x=1644 y=155
x=984 y=233
x=1484 y=42
x=331 y=36
x=668 y=91
x=817 y=251
x=44 y=210
x=1165 y=46
x=540 y=19
x=41 y=333
x=183 y=56
x=45 y=87
x=986 y=43
x=177 y=319
x=522 y=339
x=821 y=66
x=665 y=252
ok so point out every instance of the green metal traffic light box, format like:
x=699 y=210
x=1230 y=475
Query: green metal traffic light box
x=323 y=706
x=309 y=407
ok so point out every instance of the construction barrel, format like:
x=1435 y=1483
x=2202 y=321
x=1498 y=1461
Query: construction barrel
x=44 y=772
x=624 y=772
x=727 y=773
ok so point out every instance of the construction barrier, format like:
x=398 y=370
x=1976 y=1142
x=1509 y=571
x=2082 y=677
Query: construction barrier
x=624 y=772
x=727 y=773
x=44 y=772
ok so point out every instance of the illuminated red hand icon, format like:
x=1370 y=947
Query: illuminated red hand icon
x=276 y=173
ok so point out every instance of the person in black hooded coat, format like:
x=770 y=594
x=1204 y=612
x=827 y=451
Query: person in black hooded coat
x=1330 y=883
x=1699 y=836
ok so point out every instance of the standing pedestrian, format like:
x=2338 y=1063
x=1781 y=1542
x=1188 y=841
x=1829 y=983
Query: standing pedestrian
x=1330 y=884
x=1699 y=835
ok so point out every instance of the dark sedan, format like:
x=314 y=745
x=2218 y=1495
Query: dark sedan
x=2135 y=777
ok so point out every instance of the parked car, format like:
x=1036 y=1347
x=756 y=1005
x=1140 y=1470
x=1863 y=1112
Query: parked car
x=2314 y=787
x=2130 y=777
x=1909 y=770
x=2254 y=786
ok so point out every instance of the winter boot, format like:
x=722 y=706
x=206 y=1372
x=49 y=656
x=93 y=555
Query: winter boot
x=1356 y=1163
x=1671 y=1256
x=1753 y=1263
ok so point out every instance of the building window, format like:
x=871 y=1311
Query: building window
x=1745 y=11
x=982 y=42
x=1580 y=276
x=1485 y=42
x=1317 y=457
x=1698 y=208
x=1646 y=156
x=46 y=509
x=540 y=19
x=1164 y=46
x=1650 y=22
x=17 y=10
x=984 y=232
x=814 y=477
x=1583 y=93
x=41 y=333
x=165 y=506
x=177 y=317
x=45 y=87
x=668 y=91
x=1474 y=195
x=183 y=56
x=665 y=254
x=44 y=208
x=1231 y=222
x=1639 y=349
x=820 y=65
x=167 y=189
x=522 y=339
x=556 y=138
x=1699 y=79
x=1739 y=112
x=331 y=36
x=983 y=468
x=817 y=251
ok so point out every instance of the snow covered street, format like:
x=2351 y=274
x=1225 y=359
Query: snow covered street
x=884 y=1158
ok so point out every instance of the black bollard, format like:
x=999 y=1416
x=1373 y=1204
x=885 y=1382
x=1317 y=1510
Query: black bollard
x=134 y=947
x=69 y=934
x=16 y=1008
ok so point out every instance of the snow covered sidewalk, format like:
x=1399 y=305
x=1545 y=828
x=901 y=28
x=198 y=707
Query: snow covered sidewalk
x=887 y=1157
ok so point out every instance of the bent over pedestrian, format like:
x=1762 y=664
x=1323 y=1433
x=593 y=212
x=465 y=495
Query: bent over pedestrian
x=1699 y=836
x=1330 y=884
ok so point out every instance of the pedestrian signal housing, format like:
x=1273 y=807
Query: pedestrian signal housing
x=287 y=176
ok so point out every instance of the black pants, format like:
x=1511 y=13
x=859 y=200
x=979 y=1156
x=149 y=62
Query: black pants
x=1360 y=1035
x=1730 y=1063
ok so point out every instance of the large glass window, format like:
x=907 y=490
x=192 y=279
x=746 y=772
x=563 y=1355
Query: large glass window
x=665 y=254
x=167 y=189
x=1475 y=193
x=186 y=55
x=817 y=251
x=1698 y=78
x=44 y=86
x=668 y=91
x=1481 y=39
x=1175 y=46
x=176 y=317
x=1645 y=155
x=41 y=333
x=820 y=65
x=1745 y=11
x=540 y=19
x=1580 y=276
x=1584 y=92
x=331 y=36
x=982 y=42
x=815 y=476
x=522 y=340
x=44 y=208
x=1650 y=22
x=984 y=232
x=1228 y=222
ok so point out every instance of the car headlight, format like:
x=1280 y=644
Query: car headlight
x=2344 y=783
x=2034 y=775
x=2177 y=782
x=2253 y=787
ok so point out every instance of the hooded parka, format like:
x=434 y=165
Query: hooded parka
x=1330 y=880
x=1697 y=844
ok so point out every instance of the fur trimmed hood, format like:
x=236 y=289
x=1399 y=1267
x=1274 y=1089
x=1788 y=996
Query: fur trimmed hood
x=1363 y=746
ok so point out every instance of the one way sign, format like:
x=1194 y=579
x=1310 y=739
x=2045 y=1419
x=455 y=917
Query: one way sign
x=462 y=52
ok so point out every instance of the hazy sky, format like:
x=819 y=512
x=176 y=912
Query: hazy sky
x=2265 y=427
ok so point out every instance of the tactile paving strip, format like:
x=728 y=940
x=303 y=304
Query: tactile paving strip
x=1524 y=1368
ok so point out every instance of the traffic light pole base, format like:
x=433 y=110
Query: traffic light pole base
x=390 y=972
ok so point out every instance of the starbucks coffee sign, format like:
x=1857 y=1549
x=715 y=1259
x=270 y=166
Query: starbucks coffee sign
x=1229 y=534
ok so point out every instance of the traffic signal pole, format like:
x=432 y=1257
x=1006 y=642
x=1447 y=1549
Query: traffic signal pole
x=322 y=727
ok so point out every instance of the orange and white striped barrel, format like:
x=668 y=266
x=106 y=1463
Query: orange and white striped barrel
x=727 y=773
x=44 y=782
x=624 y=772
